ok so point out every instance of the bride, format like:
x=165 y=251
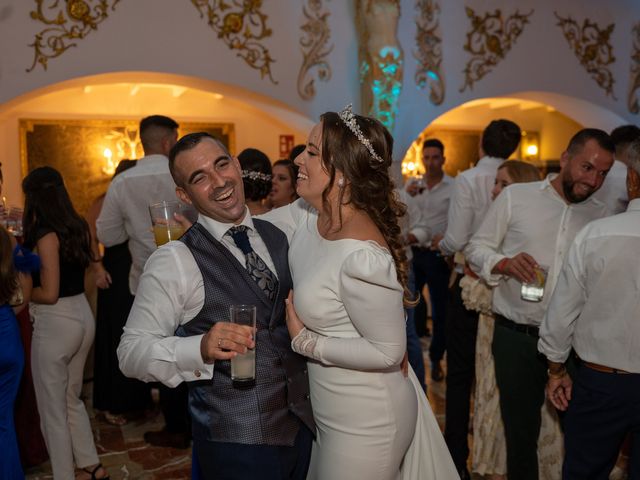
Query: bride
x=346 y=314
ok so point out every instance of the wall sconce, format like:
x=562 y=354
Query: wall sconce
x=110 y=165
x=412 y=161
x=530 y=147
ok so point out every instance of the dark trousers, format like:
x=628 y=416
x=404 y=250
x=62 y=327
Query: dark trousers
x=432 y=270
x=521 y=377
x=414 y=348
x=174 y=403
x=235 y=461
x=462 y=328
x=604 y=407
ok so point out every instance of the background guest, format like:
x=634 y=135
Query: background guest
x=469 y=203
x=283 y=183
x=489 y=448
x=256 y=177
x=531 y=225
x=63 y=325
x=113 y=393
x=125 y=217
x=15 y=291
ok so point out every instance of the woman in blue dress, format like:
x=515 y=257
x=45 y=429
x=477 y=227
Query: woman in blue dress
x=15 y=288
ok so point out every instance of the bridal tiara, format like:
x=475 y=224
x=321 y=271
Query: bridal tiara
x=349 y=119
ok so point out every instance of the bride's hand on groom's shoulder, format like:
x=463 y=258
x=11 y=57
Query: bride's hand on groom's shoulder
x=294 y=324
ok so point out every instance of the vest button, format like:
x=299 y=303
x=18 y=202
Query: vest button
x=307 y=396
x=197 y=373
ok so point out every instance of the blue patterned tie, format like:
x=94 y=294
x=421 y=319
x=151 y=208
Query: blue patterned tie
x=256 y=267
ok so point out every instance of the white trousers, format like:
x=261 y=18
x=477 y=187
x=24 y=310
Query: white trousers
x=62 y=337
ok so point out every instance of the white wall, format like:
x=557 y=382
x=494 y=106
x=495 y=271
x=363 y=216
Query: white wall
x=168 y=37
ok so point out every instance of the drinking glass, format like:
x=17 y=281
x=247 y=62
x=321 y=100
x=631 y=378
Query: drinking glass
x=243 y=366
x=165 y=226
x=534 y=291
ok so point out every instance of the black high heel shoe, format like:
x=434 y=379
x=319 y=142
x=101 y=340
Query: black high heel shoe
x=94 y=471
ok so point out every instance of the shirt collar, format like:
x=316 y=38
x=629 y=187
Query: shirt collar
x=156 y=157
x=487 y=160
x=219 y=229
x=634 y=205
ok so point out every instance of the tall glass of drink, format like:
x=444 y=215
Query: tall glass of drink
x=165 y=226
x=243 y=366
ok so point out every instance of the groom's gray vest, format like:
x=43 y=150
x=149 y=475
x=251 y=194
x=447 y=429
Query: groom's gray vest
x=270 y=411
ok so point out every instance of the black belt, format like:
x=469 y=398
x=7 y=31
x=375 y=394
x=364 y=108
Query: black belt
x=530 y=330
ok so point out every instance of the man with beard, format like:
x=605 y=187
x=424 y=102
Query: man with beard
x=531 y=225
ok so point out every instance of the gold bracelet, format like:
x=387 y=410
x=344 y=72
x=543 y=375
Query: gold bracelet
x=559 y=374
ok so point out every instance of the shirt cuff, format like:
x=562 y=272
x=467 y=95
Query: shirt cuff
x=421 y=235
x=492 y=279
x=189 y=362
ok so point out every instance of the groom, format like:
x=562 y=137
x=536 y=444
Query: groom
x=178 y=329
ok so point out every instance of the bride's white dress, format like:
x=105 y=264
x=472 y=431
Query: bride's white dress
x=373 y=423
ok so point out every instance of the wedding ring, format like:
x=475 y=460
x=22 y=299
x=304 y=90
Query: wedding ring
x=220 y=343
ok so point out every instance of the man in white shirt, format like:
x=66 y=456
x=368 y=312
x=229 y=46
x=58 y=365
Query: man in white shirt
x=125 y=211
x=125 y=218
x=595 y=310
x=429 y=266
x=614 y=189
x=531 y=225
x=178 y=330
x=469 y=203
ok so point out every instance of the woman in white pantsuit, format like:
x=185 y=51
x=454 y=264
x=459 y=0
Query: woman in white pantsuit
x=63 y=325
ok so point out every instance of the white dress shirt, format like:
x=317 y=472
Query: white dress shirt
x=411 y=220
x=170 y=293
x=595 y=307
x=469 y=204
x=532 y=218
x=433 y=204
x=125 y=211
x=613 y=192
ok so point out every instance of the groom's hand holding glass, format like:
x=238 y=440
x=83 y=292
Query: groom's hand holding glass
x=225 y=341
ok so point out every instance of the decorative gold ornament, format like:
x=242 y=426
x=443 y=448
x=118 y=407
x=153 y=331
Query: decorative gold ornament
x=84 y=16
x=634 y=84
x=429 y=50
x=592 y=47
x=489 y=40
x=314 y=48
x=241 y=29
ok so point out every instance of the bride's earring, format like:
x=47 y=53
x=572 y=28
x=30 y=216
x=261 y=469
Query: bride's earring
x=341 y=182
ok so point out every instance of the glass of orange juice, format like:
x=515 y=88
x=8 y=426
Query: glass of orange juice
x=165 y=226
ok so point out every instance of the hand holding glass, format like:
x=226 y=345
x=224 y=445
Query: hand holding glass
x=243 y=366
x=165 y=226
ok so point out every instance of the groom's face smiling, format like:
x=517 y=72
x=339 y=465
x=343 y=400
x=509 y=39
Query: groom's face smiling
x=211 y=181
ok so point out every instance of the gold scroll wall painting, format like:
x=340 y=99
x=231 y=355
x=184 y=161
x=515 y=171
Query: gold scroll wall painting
x=77 y=148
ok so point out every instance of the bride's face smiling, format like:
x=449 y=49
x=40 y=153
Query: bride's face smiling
x=313 y=178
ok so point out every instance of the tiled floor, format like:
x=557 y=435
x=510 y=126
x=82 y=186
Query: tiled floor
x=125 y=455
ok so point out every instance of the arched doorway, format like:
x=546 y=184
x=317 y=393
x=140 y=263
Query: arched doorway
x=258 y=121
x=548 y=121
